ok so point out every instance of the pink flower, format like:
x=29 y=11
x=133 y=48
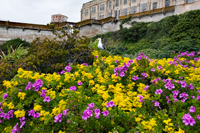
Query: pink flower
x=72 y=88
x=47 y=99
x=188 y=120
x=158 y=91
x=192 y=109
x=5 y=96
x=79 y=83
x=105 y=113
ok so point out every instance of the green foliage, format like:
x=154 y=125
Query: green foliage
x=124 y=21
x=47 y=56
x=15 y=43
x=173 y=33
x=15 y=54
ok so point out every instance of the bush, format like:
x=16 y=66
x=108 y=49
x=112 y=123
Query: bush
x=114 y=94
x=15 y=43
x=49 y=56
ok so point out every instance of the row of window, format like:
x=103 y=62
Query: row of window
x=133 y=9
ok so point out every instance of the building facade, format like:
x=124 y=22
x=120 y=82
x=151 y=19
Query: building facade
x=101 y=9
x=58 y=18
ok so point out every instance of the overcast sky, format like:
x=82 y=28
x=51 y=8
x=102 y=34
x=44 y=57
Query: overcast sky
x=39 y=11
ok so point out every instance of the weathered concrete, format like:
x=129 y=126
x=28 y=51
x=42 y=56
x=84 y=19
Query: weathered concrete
x=180 y=6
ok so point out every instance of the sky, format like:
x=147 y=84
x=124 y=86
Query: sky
x=39 y=11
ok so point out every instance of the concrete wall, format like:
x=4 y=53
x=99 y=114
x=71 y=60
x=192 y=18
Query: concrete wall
x=180 y=8
x=25 y=34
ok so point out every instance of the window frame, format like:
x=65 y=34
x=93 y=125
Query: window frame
x=117 y=3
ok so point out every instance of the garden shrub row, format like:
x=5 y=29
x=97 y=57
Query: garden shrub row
x=114 y=94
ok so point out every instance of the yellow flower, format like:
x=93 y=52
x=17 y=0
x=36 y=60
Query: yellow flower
x=10 y=105
x=37 y=108
x=19 y=113
x=8 y=129
x=21 y=95
x=61 y=132
x=180 y=131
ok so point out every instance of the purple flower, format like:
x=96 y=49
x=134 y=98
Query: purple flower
x=72 y=88
x=158 y=91
x=193 y=97
x=183 y=84
x=79 y=83
x=47 y=99
x=141 y=98
x=198 y=117
x=15 y=129
x=192 y=109
x=144 y=75
x=135 y=78
x=159 y=67
x=65 y=112
x=122 y=74
x=188 y=120
x=153 y=70
x=190 y=86
x=62 y=72
x=31 y=112
x=68 y=69
x=22 y=119
x=22 y=124
x=105 y=113
x=5 y=96
x=29 y=86
x=198 y=98
x=110 y=104
x=146 y=87
x=169 y=85
x=175 y=93
x=58 y=118
x=157 y=104
x=37 y=84
x=96 y=56
x=91 y=105
x=97 y=113
x=85 y=64
x=116 y=61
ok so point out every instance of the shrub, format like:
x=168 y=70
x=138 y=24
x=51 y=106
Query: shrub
x=15 y=43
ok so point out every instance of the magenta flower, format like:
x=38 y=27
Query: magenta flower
x=58 y=118
x=79 y=83
x=146 y=87
x=105 y=113
x=37 y=84
x=141 y=98
x=159 y=67
x=153 y=70
x=97 y=113
x=5 y=96
x=110 y=104
x=15 y=129
x=62 y=72
x=91 y=105
x=28 y=87
x=144 y=75
x=135 y=78
x=183 y=84
x=193 y=97
x=188 y=120
x=22 y=124
x=72 y=88
x=157 y=104
x=65 y=112
x=198 y=98
x=122 y=74
x=116 y=61
x=190 y=86
x=158 y=91
x=198 y=117
x=47 y=99
x=68 y=69
x=96 y=56
x=192 y=109
x=85 y=64
x=36 y=115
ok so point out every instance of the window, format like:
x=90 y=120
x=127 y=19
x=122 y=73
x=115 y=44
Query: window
x=155 y=5
x=189 y=1
x=133 y=9
x=109 y=14
x=117 y=3
x=110 y=4
x=125 y=2
x=133 y=0
x=124 y=12
x=101 y=16
x=94 y=9
x=167 y=3
x=143 y=7
x=93 y=17
x=86 y=12
x=102 y=7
